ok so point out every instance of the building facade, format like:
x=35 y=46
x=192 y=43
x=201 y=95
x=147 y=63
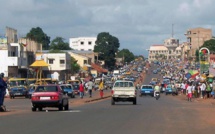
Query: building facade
x=83 y=43
x=169 y=50
x=196 y=38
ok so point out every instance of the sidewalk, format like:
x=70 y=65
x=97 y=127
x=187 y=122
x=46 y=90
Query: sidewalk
x=86 y=99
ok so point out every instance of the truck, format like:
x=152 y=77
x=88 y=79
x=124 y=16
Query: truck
x=123 y=91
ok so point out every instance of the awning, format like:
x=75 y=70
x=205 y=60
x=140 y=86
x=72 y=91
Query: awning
x=39 y=63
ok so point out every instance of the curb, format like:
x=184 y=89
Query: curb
x=96 y=99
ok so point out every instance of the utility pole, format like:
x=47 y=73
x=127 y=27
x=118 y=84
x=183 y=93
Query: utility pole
x=172 y=30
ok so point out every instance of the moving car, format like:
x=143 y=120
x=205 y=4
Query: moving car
x=31 y=90
x=19 y=91
x=171 y=90
x=147 y=90
x=49 y=96
x=155 y=71
x=123 y=91
x=68 y=90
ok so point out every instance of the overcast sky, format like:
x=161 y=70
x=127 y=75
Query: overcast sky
x=136 y=23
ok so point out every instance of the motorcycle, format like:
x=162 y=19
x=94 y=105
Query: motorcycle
x=157 y=95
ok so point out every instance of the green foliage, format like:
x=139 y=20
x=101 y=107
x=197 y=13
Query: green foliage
x=126 y=55
x=107 y=47
x=210 y=44
x=197 y=55
x=59 y=44
x=55 y=51
x=37 y=34
x=75 y=67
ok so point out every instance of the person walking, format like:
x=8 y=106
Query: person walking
x=3 y=86
x=81 y=90
x=203 y=90
x=101 y=87
x=90 y=87
x=189 y=92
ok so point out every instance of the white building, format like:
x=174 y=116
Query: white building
x=83 y=43
x=59 y=64
x=169 y=50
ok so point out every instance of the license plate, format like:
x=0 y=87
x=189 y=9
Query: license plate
x=147 y=91
x=17 y=93
x=44 y=98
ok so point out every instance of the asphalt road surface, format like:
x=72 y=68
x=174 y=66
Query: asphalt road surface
x=168 y=115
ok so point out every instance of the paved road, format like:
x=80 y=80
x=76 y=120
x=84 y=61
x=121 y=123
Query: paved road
x=168 y=115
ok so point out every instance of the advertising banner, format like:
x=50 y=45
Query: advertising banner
x=204 y=54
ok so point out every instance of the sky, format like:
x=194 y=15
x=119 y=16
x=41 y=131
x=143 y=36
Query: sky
x=137 y=24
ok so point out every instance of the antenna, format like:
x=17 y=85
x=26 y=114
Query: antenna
x=172 y=30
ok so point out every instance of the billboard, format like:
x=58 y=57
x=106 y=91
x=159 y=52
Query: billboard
x=3 y=40
x=204 y=54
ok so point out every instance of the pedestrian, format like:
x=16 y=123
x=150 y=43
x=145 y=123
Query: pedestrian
x=81 y=90
x=101 y=87
x=189 y=92
x=3 y=86
x=203 y=90
x=213 y=84
x=90 y=86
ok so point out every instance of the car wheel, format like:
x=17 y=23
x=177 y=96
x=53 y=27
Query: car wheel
x=135 y=101
x=166 y=93
x=112 y=102
x=33 y=108
x=40 y=108
x=60 y=107
x=66 y=107
x=11 y=97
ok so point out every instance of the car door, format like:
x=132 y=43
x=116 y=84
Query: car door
x=64 y=97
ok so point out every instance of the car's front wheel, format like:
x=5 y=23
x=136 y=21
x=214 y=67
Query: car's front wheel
x=135 y=101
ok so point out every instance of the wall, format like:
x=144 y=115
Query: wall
x=75 y=43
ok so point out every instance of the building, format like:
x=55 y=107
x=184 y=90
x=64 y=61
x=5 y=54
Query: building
x=15 y=55
x=59 y=65
x=83 y=43
x=169 y=50
x=196 y=38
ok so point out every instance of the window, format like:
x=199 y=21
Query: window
x=51 y=61
x=85 y=61
x=62 y=61
x=82 y=49
x=89 y=49
x=90 y=43
x=82 y=43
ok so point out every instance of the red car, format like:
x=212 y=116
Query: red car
x=49 y=96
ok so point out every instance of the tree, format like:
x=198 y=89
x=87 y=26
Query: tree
x=75 y=67
x=59 y=44
x=107 y=47
x=210 y=44
x=37 y=34
x=126 y=55
x=197 y=55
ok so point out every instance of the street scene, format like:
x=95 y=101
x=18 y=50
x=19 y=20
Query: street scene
x=107 y=67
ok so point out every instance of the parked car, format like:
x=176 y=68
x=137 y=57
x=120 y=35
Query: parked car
x=68 y=89
x=147 y=90
x=49 y=96
x=18 y=91
x=31 y=90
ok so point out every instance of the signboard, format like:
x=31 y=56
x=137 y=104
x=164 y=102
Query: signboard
x=204 y=54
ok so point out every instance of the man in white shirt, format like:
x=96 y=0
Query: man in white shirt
x=203 y=87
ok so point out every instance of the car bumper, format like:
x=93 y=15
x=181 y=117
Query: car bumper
x=54 y=103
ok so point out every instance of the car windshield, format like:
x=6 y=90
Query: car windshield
x=124 y=84
x=17 y=89
x=47 y=89
x=66 y=87
x=147 y=87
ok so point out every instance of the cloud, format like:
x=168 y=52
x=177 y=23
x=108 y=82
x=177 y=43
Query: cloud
x=137 y=23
